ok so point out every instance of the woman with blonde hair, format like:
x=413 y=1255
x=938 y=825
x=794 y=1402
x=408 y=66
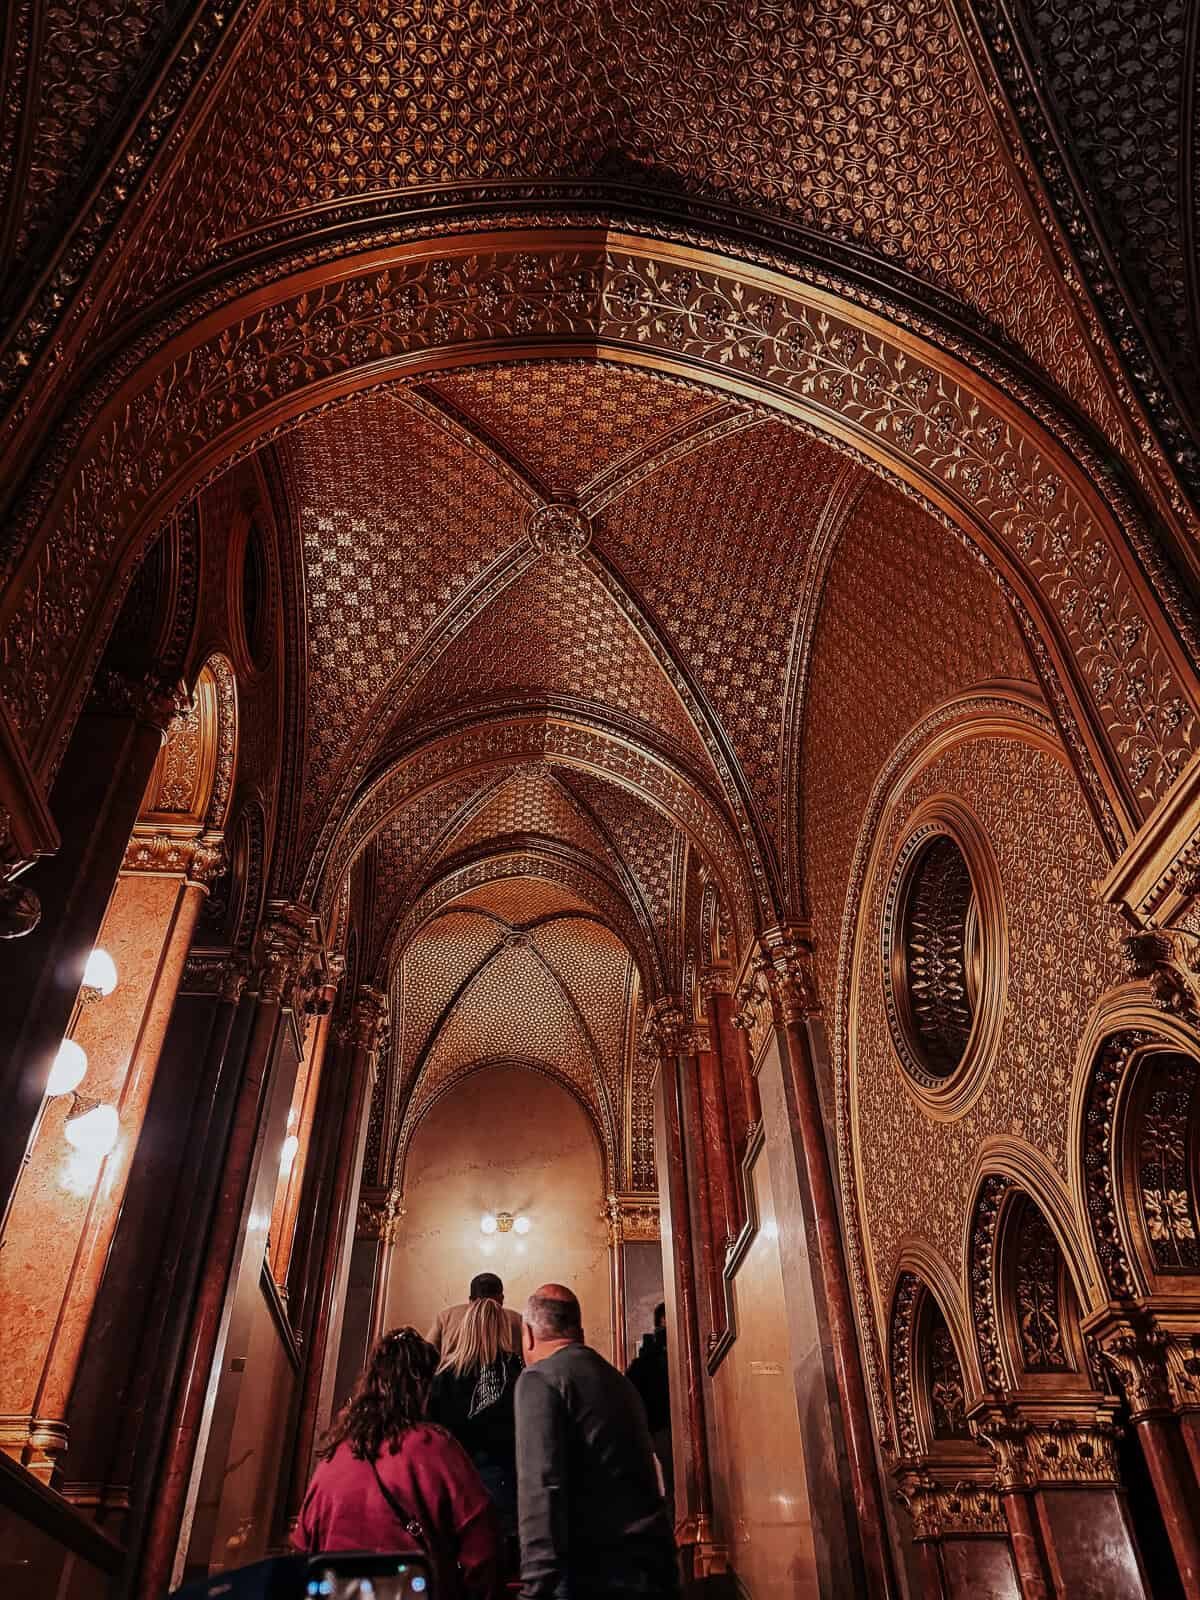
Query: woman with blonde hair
x=390 y=1481
x=473 y=1400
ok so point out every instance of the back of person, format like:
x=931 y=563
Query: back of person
x=592 y=1517
x=390 y=1481
x=473 y=1397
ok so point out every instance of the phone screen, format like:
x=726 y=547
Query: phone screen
x=383 y=1578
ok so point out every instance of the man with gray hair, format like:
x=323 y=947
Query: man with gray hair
x=590 y=1512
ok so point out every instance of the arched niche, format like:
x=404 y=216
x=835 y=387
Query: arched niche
x=1025 y=1304
x=930 y=1401
x=1139 y=1157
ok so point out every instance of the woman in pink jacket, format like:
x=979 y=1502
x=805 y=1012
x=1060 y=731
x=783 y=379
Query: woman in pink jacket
x=390 y=1481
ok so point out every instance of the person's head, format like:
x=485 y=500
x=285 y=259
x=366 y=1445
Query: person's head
x=486 y=1286
x=391 y=1395
x=660 y=1322
x=478 y=1339
x=552 y=1319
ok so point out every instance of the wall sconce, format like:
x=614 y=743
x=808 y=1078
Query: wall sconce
x=99 y=977
x=92 y=1127
x=503 y=1222
x=66 y=1074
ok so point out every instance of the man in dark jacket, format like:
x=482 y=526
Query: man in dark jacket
x=647 y=1372
x=591 y=1516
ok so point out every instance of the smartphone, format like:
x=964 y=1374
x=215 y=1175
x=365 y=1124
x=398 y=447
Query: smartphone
x=369 y=1577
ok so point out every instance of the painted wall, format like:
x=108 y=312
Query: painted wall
x=506 y=1139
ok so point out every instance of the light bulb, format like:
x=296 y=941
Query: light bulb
x=288 y=1154
x=521 y=1225
x=100 y=973
x=487 y=1224
x=70 y=1064
x=95 y=1131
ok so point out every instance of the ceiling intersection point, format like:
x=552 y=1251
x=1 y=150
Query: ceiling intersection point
x=559 y=528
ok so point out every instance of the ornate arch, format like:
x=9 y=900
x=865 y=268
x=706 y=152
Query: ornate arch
x=915 y=1404
x=572 y=871
x=416 y=1112
x=485 y=743
x=1135 y=1147
x=1030 y=492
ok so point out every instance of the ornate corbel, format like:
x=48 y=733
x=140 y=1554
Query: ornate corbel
x=1168 y=959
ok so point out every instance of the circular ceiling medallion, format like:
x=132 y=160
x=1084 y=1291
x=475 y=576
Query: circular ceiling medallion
x=944 y=957
x=559 y=529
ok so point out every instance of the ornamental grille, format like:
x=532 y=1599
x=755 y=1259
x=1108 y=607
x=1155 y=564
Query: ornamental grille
x=938 y=940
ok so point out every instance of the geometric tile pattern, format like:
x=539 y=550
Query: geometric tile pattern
x=555 y=631
x=530 y=801
x=747 y=504
x=907 y=619
x=569 y=420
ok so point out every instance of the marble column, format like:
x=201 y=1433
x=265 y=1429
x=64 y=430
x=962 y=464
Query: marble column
x=1029 y=1558
x=95 y=803
x=283 y=951
x=65 y=1209
x=786 y=970
x=707 y=1215
x=724 y=1093
x=1057 y=1451
x=693 y=1486
x=359 y=1044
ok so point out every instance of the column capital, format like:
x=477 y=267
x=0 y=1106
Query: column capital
x=632 y=1216
x=151 y=697
x=663 y=1029
x=786 y=964
x=941 y=1509
x=367 y=1022
x=1155 y=1359
x=283 y=950
x=1050 y=1442
x=380 y=1218
x=1168 y=959
x=198 y=858
x=716 y=981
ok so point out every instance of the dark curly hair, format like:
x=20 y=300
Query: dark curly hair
x=391 y=1394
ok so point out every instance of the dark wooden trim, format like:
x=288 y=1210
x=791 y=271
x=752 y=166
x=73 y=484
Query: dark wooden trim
x=724 y=1342
x=279 y=1314
x=22 y=1493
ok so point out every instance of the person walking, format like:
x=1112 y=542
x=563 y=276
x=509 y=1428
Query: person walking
x=388 y=1480
x=590 y=1513
x=473 y=1393
x=484 y=1286
x=648 y=1374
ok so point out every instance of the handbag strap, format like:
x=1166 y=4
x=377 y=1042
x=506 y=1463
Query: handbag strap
x=411 y=1525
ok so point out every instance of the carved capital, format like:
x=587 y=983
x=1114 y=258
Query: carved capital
x=664 y=1029
x=1033 y=1445
x=380 y=1219
x=368 y=1022
x=200 y=859
x=715 y=981
x=283 y=951
x=632 y=1216
x=153 y=699
x=787 y=967
x=1168 y=959
x=1156 y=1365
x=695 y=1041
x=559 y=529
x=941 y=1509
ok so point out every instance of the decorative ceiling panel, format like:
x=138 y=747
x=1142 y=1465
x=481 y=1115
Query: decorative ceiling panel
x=516 y=1010
x=908 y=618
x=570 y=420
x=594 y=966
x=522 y=900
x=395 y=520
x=436 y=963
x=862 y=121
x=715 y=543
x=87 y=56
x=404 y=844
x=530 y=801
x=643 y=838
x=556 y=631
